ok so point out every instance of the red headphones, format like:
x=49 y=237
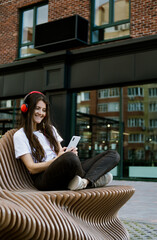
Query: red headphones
x=24 y=106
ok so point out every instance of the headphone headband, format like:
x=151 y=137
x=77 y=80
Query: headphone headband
x=32 y=93
x=24 y=107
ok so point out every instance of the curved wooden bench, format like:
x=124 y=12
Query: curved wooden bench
x=26 y=213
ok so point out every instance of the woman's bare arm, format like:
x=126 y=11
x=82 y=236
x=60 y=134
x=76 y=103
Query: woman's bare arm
x=34 y=168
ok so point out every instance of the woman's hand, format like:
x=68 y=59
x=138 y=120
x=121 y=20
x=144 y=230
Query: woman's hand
x=62 y=151
x=74 y=150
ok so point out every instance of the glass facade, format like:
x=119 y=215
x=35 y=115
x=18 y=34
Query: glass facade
x=9 y=114
x=124 y=119
x=110 y=19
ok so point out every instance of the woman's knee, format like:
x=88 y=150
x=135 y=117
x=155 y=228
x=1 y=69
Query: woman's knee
x=115 y=155
x=73 y=165
x=71 y=158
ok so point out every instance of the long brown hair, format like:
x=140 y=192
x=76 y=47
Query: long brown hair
x=45 y=126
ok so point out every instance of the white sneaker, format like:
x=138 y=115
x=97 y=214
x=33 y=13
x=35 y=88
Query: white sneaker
x=104 y=180
x=77 y=183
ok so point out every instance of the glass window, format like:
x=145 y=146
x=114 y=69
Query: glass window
x=121 y=10
x=108 y=107
x=135 y=91
x=83 y=102
x=113 y=107
x=42 y=14
x=153 y=107
x=84 y=96
x=9 y=114
x=136 y=106
x=84 y=109
x=29 y=19
x=152 y=92
x=27 y=26
x=101 y=12
x=110 y=19
x=123 y=119
x=103 y=107
x=153 y=123
x=117 y=31
x=104 y=93
x=114 y=92
x=135 y=122
x=135 y=138
x=153 y=138
x=136 y=154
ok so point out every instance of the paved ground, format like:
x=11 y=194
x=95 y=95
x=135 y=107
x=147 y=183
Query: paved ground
x=139 y=214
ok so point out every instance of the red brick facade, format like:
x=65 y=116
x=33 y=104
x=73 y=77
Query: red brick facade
x=143 y=20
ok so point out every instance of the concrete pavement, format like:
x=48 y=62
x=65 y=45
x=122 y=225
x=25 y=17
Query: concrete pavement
x=143 y=204
x=139 y=214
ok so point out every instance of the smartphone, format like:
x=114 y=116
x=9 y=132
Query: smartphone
x=73 y=142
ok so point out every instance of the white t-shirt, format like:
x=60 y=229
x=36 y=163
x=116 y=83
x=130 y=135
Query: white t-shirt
x=22 y=146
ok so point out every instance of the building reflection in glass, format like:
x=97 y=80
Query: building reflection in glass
x=98 y=122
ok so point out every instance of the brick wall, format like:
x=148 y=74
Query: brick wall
x=61 y=9
x=9 y=21
x=143 y=20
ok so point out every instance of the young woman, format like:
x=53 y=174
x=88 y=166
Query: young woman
x=53 y=167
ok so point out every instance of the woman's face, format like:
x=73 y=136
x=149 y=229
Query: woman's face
x=39 y=112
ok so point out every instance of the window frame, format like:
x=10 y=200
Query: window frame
x=106 y=106
x=107 y=93
x=135 y=122
x=136 y=107
x=152 y=123
x=136 y=138
x=21 y=11
x=152 y=92
x=135 y=92
x=108 y=25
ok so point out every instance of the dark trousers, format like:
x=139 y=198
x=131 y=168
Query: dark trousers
x=58 y=175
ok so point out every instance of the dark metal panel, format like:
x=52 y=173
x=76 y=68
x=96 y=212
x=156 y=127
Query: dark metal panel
x=54 y=77
x=1 y=85
x=116 y=70
x=59 y=112
x=34 y=80
x=100 y=72
x=146 y=65
x=85 y=74
x=13 y=84
x=117 y=48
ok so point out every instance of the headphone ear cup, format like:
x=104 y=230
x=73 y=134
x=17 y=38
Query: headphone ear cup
x=24 y=108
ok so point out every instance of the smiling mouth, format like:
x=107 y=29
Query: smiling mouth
x=39 y=118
